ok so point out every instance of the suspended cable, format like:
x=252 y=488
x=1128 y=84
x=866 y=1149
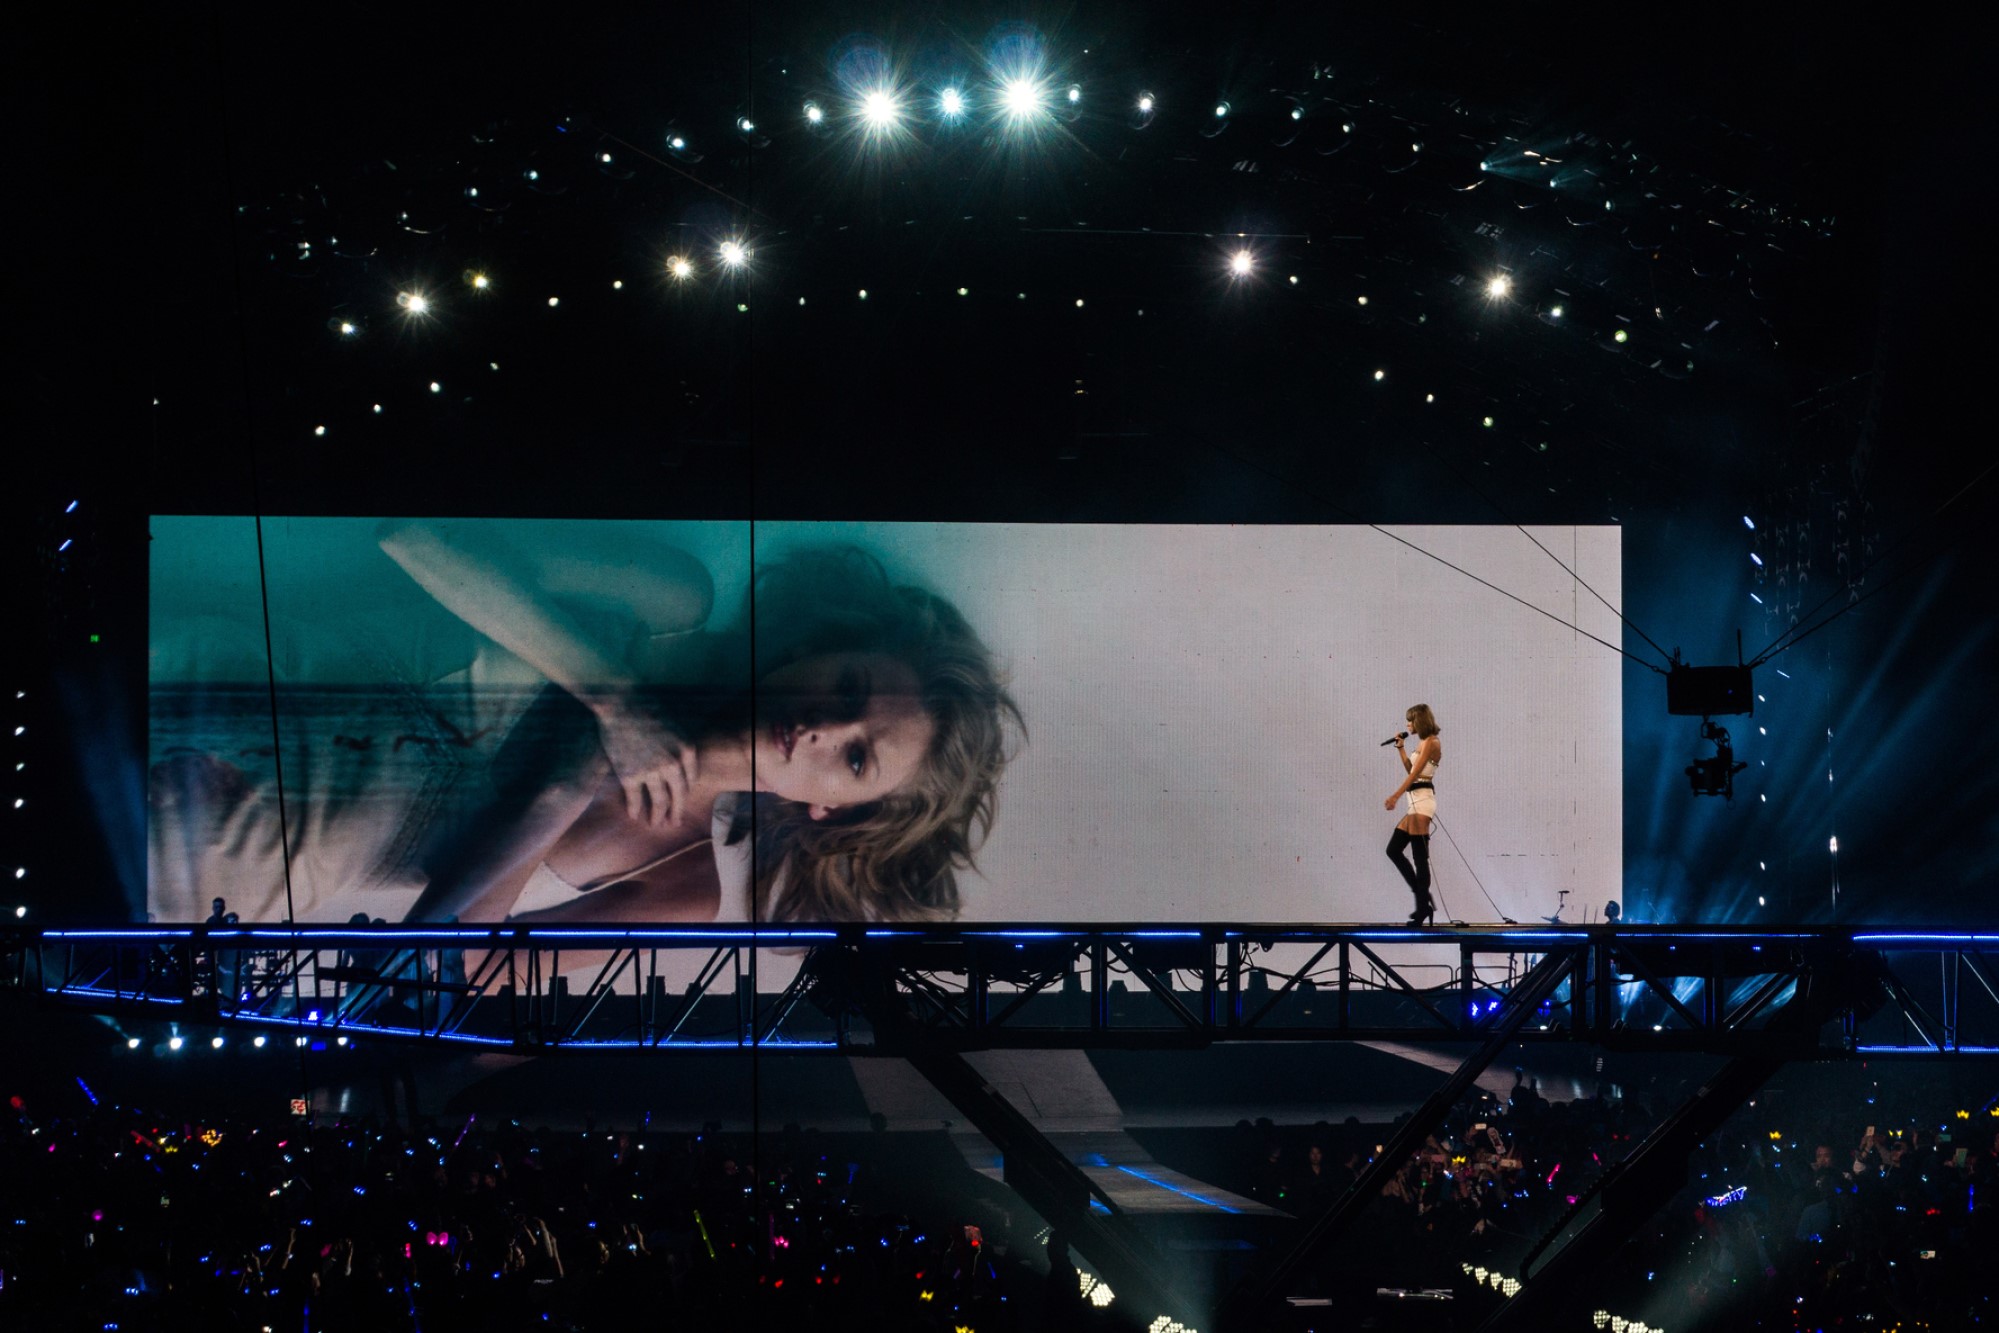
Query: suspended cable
x=1348 y=514
x=1473 y=486
x=257 y=509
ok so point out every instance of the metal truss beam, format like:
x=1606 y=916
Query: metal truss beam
x=969 y=988
x=1060 y=1191
x=1632 y=1191
x=1253 y=1305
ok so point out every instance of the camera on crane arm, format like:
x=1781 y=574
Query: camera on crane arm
x=1707 y=693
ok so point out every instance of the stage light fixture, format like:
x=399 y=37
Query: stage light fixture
x=1621 y=336
x=1749 y=522
x=20 y=911
x=258 y=1041
x=881 y=110
x=1222 y=110
x=1499 y=286
x=1556 y=312
x=131 y=1043
x=746 y=125
x=814 y=114
x=679 y=267
x=215 y=1043
x=951 y=102
x=733 y=254
x=1145 y=104
x=1024 y=99
x=347 y=328
x=1380 y=375
x=1297 y=113
x=414 y=303
x=1242 y=263
x=174 y=1043
x=340 y=1041
x=678 y=143
x=1075 y=93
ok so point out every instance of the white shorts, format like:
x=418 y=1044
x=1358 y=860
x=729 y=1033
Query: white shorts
x=1423 y=801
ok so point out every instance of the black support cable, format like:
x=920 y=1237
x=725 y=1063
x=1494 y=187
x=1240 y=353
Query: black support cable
x=257 y=511
x=1350 y=516
x=1473 y=487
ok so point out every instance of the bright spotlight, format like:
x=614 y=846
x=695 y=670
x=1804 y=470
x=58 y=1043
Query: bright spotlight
x=746 y=125
x=258 y=1041
x=174 y=1043
x=679 y=267
x=814 y=114
x=1297 y=113
x=1241 y=263
x=1023 y=98
x=1556 y=312
x=1145 y=104
x=1222 y=110
x=881 y=110
x=1075 y=93
x=951 y=102
x=131 y=1043
x=1499 y=286
x=215 y=1042
x=414 y=302
x=733 y=254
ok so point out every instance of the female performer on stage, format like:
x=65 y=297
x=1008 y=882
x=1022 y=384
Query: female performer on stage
x=1412 y=831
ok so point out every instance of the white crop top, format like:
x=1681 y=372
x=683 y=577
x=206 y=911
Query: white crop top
x=1425 y=773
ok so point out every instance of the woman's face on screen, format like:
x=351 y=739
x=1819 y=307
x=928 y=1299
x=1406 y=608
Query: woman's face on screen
x=838 y=730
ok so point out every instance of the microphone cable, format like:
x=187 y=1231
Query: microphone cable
x=1473 y=873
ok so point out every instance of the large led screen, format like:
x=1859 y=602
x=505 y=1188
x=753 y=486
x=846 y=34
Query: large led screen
x=594 y=721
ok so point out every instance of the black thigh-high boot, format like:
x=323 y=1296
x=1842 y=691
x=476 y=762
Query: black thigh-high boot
x=1419 y=846
x=1398 y=842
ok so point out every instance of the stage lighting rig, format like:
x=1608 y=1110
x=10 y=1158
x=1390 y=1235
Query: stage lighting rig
x=1707 y=693
x=1715 y=775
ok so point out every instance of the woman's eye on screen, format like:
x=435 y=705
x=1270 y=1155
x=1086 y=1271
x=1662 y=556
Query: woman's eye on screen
x=857 y=758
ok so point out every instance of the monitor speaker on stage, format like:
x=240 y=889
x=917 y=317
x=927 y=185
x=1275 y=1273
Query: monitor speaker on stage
x=1716 y=691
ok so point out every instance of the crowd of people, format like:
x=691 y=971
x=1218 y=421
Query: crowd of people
x=1789 y=1218
x=122 y=1219
x=118 y=1219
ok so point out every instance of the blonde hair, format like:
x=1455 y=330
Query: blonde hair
x=898 y=858
x=1423 y=722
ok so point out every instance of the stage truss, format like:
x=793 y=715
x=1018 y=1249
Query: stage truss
x=893 y=990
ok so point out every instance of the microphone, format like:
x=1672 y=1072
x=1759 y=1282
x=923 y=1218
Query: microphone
x=1398 y=736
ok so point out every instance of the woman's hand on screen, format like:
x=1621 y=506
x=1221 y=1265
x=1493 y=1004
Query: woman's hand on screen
x=653 y=763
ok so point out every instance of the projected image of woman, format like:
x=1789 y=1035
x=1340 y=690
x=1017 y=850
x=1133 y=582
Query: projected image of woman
x=853 y=781
x=1412 y=831
x=573 y=742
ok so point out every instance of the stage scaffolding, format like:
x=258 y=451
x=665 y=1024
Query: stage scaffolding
x=860 y=990
x=1755 y=998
